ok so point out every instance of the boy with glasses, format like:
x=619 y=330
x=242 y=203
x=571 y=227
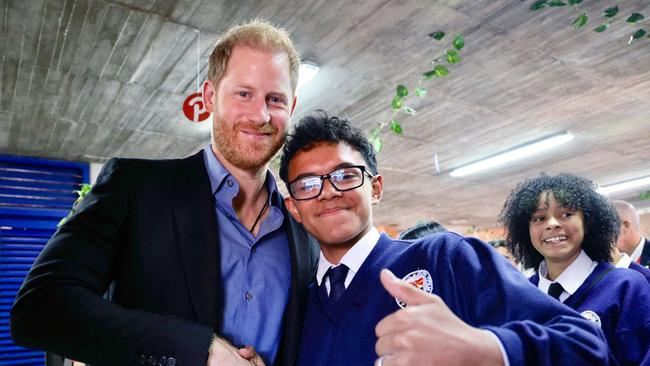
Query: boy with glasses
x=474 y=308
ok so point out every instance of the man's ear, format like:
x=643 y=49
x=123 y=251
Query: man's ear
x=291 y=207
x=209 y=95
x=625 y=227
x=377 y=185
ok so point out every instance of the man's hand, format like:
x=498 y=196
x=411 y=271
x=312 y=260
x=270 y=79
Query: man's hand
x=428 y=333
x=222 y=353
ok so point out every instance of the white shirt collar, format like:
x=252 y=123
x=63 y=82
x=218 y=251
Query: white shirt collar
x=353 y=259
x=572 y=277
x=624 y=261
x=639 y=249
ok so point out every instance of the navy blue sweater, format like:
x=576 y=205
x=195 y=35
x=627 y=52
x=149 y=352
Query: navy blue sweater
x=620 y=298
x=475 y=282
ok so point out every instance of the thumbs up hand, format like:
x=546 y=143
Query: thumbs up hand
x=428 y=333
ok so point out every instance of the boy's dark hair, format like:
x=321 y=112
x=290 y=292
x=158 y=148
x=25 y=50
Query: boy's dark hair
x=318 y=128
x=421 y=230
x=571 y=191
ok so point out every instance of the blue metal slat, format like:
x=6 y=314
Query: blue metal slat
x=34 y=195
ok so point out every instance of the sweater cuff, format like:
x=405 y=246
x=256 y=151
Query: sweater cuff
x=509 y=344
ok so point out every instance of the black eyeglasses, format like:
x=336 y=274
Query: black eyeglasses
x=343 y=179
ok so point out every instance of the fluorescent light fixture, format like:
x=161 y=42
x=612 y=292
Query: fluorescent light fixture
x=514 y=154
x=636 y=183
x=308 y=70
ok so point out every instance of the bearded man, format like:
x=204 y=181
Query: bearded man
x=203 y=255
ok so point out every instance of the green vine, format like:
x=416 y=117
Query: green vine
x=398 y=105
x=608 y=15
x=82 y=192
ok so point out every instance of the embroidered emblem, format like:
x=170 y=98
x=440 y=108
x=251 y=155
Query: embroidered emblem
x=420 y=279
x=591 y=316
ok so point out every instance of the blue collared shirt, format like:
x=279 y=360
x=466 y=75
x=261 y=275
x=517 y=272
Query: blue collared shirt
x=255 y=271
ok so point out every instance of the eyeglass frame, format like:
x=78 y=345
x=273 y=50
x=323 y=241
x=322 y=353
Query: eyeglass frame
x=328 y=177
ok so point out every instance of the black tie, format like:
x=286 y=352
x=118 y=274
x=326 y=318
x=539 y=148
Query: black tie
x=555 y=290
x=337 y=281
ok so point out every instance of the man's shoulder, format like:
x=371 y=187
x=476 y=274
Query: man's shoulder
x=430 y=246
x=147 y=167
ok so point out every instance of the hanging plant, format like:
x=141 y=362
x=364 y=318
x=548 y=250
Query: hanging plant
x=608 y=16
x=399 y=104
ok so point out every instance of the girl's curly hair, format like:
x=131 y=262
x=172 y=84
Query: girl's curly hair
x=602 y=223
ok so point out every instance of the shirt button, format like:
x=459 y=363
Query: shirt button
x=253 y=250
x=229 y=183
x=249 y=296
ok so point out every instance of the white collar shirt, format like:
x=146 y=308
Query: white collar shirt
x=624 y=261
x=572 y=277
x=353 y=259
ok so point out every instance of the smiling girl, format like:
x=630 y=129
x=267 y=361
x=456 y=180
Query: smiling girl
x=561 y=227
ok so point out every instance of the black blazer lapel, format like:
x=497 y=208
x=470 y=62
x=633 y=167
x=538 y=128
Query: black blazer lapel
x=196 y=235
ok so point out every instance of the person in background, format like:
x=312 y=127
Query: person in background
x=459 y=302
x=562 y=227
x=500 y=246
x=622 y=260
x=630 y=241
x=421 y=230
x=204 y=258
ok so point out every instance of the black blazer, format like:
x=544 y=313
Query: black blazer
x=149 y=226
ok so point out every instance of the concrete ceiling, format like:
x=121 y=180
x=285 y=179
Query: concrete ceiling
x=86 y=80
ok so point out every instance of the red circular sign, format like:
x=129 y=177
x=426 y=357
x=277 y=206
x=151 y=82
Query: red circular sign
x=193 y=108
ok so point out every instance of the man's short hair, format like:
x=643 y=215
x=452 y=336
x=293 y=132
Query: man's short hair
x=257 y=34
x=421 y=230
x=320 y=128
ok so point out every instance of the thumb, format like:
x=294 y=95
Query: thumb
x=408 y=294
x=247 y=352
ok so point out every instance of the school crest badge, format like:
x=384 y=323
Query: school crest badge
x=591 y=316
x=421 y=279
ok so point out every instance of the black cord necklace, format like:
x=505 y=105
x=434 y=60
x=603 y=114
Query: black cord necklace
x=266 y=203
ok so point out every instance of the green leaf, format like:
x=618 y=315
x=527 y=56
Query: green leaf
x=459 y=42
x=420 y=92
x=556 y=3
x=538 y=5
x=376 y=143
x=610 y=12
x=402 y=91
x=437 y=35
x=396 y=103
x=601 y=28
x=410 y=111
x=580 y=21
x=644 y=196
x=452 y=56
x=635 y=17
x=396 y=127
x=440 y=71
x=429 y=75
x=638 y=34
x=574 y=2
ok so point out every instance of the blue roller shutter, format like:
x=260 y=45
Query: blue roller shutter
x=34 y=195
